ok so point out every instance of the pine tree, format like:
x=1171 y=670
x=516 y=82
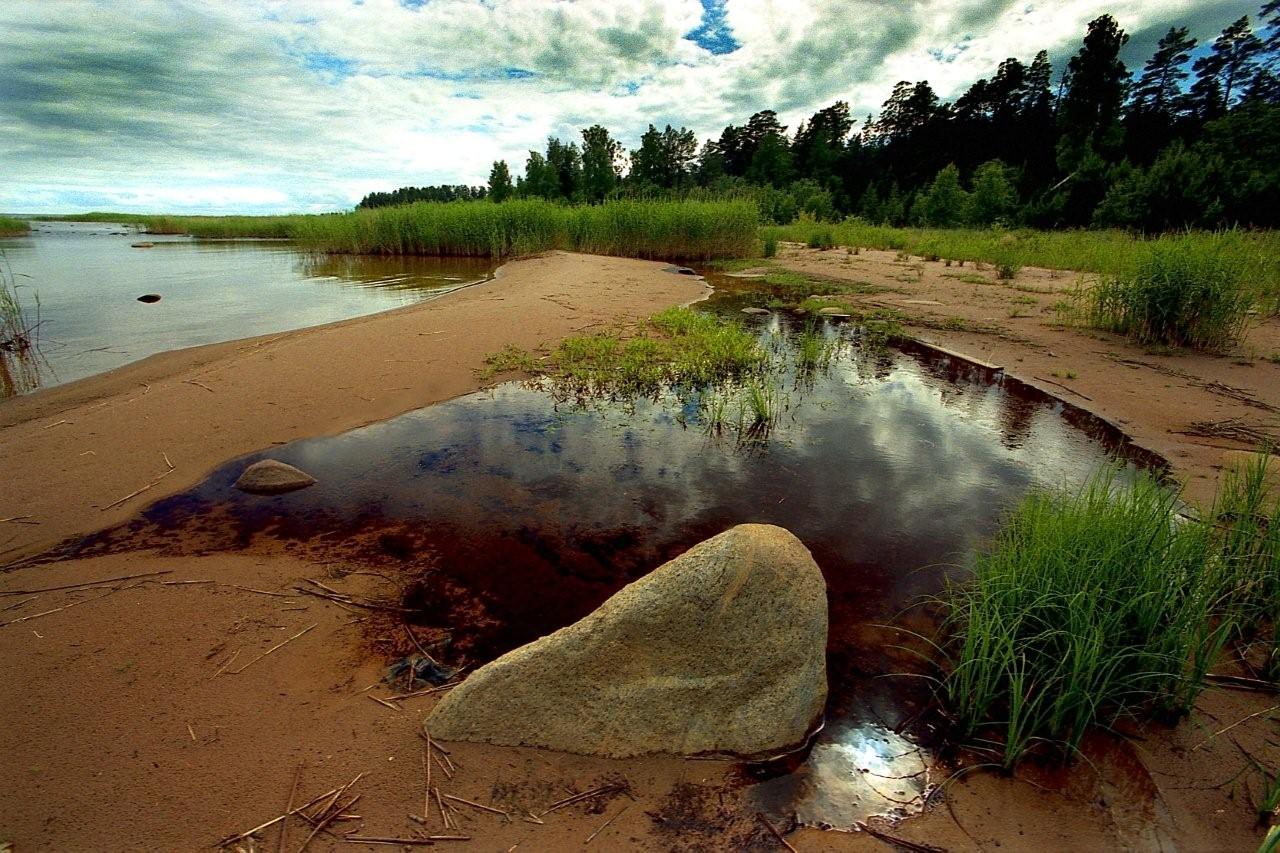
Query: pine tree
x=1095 y=84
x=869 y=205
x=1224 y=72
x=1158 y=89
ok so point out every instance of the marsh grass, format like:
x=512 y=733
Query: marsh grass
x=677 y=347
x=1115 y=601
x=1088 y=608
x=10 y=227
x=1245 y=523
x=20 y=359
x=670 y=230
x=1179 y=294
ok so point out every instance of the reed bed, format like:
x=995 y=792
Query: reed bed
x=1108 y=603
x=10 y=227
x=671 y=230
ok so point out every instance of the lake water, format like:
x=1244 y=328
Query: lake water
x=890 y=464
x=87 y=279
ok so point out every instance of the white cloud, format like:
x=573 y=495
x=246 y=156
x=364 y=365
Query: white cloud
x=285 y=104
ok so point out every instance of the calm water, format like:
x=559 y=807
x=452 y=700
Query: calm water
x=890 y=465
x=88 y=279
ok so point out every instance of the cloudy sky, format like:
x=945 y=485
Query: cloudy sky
x=283 y=105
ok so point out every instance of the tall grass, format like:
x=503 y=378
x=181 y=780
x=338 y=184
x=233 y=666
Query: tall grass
x=1183 y=293
x=672 y=230
x=1110 y=602
x=1257 y=253
x=10 y=227
x=1089 y=607
x=20 y=359
x=1245 y=523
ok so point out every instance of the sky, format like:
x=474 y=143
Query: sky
x=263 y=106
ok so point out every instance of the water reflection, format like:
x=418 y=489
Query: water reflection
x=890 y=465
x=88 y=278
x=854 y=772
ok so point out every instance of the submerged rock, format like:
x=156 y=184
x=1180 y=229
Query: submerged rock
x=143 y=245
x=755 y=310
x=149 y=298
x=833 y=311
x=723 y=649
x=270 y=477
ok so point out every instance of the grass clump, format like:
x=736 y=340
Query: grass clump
x=821 y=238
x=679 y=346
x=1111 y=602
x=770 y=246
x=1177 y=295
x=1245 y=523
x=20 y=359
x=1089 y=607
x=10 y=227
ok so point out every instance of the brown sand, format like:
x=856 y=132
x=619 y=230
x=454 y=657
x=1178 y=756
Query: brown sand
x=128 y=724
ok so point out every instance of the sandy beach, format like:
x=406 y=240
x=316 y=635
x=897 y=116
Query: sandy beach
x=169 y=702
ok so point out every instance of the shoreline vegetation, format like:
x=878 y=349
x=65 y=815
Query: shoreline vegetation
x=667 y=230
x=11 y=227
x=1195 y=288
x=1107 y=605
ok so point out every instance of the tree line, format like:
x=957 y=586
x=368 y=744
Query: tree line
x=1181 y=142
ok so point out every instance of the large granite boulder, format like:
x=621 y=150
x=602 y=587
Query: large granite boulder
x=721 y=650
x=270 y=477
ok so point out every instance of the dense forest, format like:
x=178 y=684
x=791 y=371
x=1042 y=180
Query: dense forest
x=1181 y=142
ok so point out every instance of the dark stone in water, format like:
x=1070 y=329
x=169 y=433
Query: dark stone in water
x=143 y=245
x=270 y=477
x=149 y=298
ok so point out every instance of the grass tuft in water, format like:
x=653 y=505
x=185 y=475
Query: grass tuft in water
x=20 y=359
x=679 y=346
x=1089 y=607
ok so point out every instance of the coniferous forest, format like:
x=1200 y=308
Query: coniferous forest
x=1189 y=140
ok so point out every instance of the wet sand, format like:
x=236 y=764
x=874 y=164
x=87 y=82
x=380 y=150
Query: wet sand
x=148 y=718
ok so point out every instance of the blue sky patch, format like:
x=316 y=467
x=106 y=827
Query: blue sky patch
x=330 y=66
x=713 y=34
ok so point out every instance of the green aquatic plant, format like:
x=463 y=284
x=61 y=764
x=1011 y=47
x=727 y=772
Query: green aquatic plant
x=677 y=347
x=1088 y=607
x=20 y=359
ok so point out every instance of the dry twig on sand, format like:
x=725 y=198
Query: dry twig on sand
x=605 y=825
x=273 y=648
x=774 y=832
x=144 y=488
x=64 y=607
x=85 y=583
